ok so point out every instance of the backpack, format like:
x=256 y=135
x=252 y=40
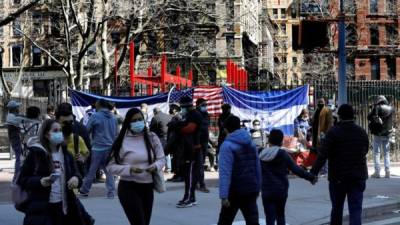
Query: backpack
x=375 y=124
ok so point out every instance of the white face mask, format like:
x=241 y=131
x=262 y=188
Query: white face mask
x=257 y=127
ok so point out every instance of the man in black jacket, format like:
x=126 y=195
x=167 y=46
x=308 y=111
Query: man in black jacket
x=381 y=126
x=174 y=145
x=345 y=147
x=226 y=112
x=201 y=106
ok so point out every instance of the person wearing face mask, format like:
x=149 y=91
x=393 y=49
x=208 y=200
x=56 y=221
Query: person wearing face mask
x=190 y=131
x=301 y=126
x=175 y=144
x=322 y=122
x=258 y=135
x=75 y=144
x=135 y=155
x=49 y=174
x=103 y=128
x=201 y=106
x=226 y=112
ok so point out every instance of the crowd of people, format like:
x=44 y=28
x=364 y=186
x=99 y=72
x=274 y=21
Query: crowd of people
x=58 y=158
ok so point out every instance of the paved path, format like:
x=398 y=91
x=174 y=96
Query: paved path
x=306 y=204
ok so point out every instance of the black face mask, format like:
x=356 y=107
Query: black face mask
x=320 y=106
x=226 y=112
x=67 y=128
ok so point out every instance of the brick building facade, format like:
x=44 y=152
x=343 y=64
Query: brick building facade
x=372 y=38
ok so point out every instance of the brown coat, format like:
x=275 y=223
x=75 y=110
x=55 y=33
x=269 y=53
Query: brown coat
x=325 y=122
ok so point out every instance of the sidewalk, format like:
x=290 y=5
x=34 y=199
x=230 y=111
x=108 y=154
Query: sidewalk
x=307 y=204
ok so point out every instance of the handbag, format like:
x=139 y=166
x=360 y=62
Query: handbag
x=158 y=177
x=83 y=215
x=19 y=196
x=159 y=181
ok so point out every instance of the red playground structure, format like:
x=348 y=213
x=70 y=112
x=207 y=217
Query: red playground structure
x=236 y=76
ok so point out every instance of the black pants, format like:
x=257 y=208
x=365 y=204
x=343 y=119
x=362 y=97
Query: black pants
x=57 y=215
x=247 y=205
x=274 y=209
x=137 y=201
x=354 y=191
x=201 y=157
x=191 y=178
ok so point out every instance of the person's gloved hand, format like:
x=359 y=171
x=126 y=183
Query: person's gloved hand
x=73 y=183
x=152 y=168
x=135 y=170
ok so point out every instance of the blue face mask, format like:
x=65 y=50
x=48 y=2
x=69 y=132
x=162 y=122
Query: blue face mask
x=137 y=127
x=56 y=138
x=203 y=108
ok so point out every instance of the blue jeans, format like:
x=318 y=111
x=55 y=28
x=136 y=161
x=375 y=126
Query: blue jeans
x=17 y=149
x=354 y=191
x=98 y=161
x=381 y=143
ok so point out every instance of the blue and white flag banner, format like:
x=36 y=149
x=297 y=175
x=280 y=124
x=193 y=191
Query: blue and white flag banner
x=81 y=102
x=275 y=109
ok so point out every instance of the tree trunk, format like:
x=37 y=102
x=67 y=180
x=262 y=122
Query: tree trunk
x=105 y=59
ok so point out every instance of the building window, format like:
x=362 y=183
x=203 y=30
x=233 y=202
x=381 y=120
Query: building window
x=294 y=60
x=392 y=34
x=350 y=7
x=350 y=69
x=41 y=88
x=283 y=13
x=391 y=7
x=16 y=27
x=16 y=54
x=351 y=35
x=230 y=45
x=16 y=2
x=36 y=56
x=375 y=69
x=283 y=28
x=55 y=26
x=374 y=32
x=275 y=13
x=373 y=6
x=36 y=24
x=391 y=65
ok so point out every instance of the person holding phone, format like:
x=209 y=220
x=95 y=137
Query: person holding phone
x=50 y=174
x=136 y=154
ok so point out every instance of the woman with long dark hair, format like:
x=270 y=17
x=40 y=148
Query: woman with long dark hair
x=136 y=154
x=49 y=174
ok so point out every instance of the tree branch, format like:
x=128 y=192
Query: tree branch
x=17 y=13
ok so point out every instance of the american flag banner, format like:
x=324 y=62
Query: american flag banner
x=214 y=98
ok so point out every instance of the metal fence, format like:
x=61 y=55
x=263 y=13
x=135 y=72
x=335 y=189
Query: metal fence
x=361 y=94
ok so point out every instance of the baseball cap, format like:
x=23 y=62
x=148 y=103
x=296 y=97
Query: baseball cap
x=13 y=104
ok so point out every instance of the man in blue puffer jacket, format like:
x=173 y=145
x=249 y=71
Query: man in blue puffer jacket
x=239 y=175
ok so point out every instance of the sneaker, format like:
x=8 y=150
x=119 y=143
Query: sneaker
x=204 y=190
x=387 y=174
x=82 y=195
x=186 y=204
x=375 y=175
